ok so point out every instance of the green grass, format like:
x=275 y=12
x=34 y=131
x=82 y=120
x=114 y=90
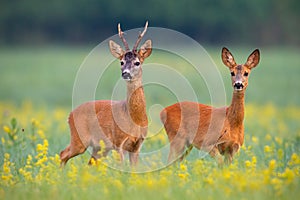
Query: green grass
x=47 y=75
x=36 y=89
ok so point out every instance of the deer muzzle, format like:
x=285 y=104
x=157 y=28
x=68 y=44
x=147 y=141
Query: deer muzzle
x=238 y=85
x=126 y=75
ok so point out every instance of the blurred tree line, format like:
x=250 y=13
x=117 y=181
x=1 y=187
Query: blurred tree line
x=263 y=22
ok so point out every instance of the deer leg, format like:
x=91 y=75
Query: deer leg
x=77 y=145
x=134 y=155
x=97 y=155
x=176 y=148
x=215 y=153
x=186 y=153
x=70 y=152
x=228 y=156
x=121 y=150
x=229 y=153
x=133 y=158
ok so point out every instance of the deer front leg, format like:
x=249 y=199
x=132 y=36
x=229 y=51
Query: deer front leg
x=133 y=146
x=134 y=158
x=230 y=152
x=96 y=154
x=215 y=153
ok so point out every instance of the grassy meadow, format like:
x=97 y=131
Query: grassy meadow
x=36 y=87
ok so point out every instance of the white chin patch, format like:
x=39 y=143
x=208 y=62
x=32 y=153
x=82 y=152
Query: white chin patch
x=238 y=89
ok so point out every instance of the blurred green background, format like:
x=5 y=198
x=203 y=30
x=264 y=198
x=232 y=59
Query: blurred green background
x=43 y=43
x=265 y=22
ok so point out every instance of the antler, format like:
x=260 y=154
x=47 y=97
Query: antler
x=140 y=37
x=122 y=38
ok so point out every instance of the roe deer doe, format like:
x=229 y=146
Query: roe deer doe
x=122 y=125
x=219 y=131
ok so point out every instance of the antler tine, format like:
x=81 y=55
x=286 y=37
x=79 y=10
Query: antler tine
x=122 y=38
x=141 y=35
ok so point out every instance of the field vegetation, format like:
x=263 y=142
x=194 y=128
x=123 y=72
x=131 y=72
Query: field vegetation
x=36 y=97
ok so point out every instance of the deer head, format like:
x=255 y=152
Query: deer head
x=131 y=60
x=240 y=73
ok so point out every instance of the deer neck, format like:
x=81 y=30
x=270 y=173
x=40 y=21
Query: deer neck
x=236 y=109
x=136 y=103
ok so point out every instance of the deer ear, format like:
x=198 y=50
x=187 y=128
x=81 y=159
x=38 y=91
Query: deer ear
x=146 y=49
x=253 y=59
x=115 y=49
x=228 y=58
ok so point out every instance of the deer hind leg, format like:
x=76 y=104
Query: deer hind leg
x=71 y=151
x=177 y=147
x=75 y=147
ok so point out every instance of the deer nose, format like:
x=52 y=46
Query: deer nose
x=126 y=75
x=238 y=85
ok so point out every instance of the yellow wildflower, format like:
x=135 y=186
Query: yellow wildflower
x=35 y=122
x=272 y=164
x=268 y=137
x=39 y=147
x=72 y=174
x=248 y=164
x=278 y=140
x=6 y=156
x=183 y=167
x=183 y=176
x=227 y=174
x=6 y=129
x=118 y=184
x=289 y=175
x=295 y=158
x=41 y=134
x=254 y=160
x=102 y=147
x=116 y=155
x=209 y=180
x=268 y=149
x=254 y=139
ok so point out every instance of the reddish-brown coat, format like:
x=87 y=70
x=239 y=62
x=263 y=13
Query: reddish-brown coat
x=219 y=131
x=121 y=125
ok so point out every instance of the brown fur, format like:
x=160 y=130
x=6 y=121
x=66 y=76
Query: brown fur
x=122 y=125
x=219 y=131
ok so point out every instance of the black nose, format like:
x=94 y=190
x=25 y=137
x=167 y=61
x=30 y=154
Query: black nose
x=238 y=85
x=126 y=75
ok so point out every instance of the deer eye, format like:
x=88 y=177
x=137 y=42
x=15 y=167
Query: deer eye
x=137 y=63
x=122 y=63
x=246 y=74
x=232 y=74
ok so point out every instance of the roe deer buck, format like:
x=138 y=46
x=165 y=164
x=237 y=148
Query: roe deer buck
x=122 y=125
x=219 y=131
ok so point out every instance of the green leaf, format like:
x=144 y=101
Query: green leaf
x=13 y=123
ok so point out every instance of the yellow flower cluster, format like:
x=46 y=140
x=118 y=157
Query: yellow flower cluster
x=267 y=166
x=7 y=176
